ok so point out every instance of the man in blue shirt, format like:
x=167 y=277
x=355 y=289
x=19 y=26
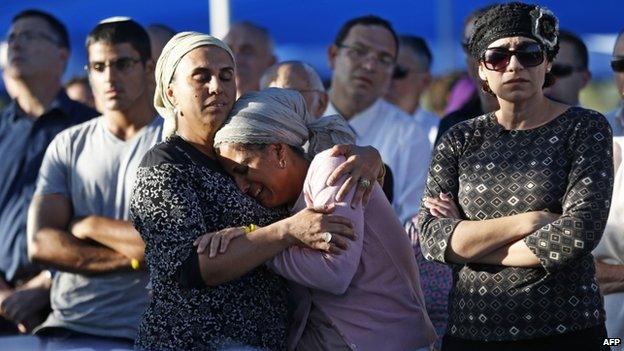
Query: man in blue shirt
x=38 y=51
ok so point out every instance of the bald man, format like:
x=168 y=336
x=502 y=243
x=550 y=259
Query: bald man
x=253 y=50
x=159 y=35
x=299 y=76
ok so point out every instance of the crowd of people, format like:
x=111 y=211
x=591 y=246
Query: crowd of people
x=196 y=193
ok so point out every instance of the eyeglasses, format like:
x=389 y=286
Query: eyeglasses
x=360 y=53
x=561 y=70
x=497 y=59
x=30 y=36
x=122 y=64
x=617 y=64
x=400 y=72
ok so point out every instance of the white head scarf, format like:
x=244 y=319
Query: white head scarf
x=276 y=115
x=180 y=45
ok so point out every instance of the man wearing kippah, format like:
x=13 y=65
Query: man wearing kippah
x=363 y=58
x=79 y=218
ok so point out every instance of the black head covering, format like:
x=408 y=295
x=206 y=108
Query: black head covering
x=512 y=20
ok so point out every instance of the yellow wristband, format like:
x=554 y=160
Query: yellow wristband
x=250 y=228
x=135 y=264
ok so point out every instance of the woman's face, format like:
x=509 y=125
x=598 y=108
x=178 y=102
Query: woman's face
x=268 y=175
x=518 y=77
x=203 y=90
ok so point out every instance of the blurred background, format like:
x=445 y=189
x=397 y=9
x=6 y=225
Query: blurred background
x=303 y=30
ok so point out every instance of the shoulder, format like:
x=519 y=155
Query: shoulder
x=165 y=153
x=79 y=112
x=460 y=133
x=322 y=167
x=583 y=118
x=78 y=131
x=324 y=160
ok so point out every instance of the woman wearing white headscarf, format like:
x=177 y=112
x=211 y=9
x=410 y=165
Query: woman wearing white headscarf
x=367 y=297
x=182 y=192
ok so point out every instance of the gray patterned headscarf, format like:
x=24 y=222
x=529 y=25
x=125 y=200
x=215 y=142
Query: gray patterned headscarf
x=276 y=115
x=180 y=45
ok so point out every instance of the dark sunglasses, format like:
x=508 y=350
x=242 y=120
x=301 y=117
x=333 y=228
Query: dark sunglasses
x=617 y=64
x=497 y=59
x=122 y=64
x=400 y=72
x=561 y=70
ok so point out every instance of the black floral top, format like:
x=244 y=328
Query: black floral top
x=564 y=166
x=179 y=195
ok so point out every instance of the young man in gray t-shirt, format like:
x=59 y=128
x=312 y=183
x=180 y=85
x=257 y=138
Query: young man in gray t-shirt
x=78 y=219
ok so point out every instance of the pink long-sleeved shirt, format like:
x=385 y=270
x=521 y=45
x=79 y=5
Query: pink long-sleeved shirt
x=371 y=292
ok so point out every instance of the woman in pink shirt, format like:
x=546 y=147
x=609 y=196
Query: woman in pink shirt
x=366 y=297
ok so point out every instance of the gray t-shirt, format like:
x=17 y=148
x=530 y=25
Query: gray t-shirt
x=96 y=171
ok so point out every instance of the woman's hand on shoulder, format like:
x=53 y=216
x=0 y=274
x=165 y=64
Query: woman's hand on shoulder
x=362 y=168
x=310 y=227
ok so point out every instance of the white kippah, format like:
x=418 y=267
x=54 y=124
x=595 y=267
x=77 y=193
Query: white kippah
x=115 y=19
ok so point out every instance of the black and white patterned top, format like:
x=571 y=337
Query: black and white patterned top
x=564 y=166
x=179 y=195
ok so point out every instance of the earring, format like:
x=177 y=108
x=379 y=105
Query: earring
x=177 y=112
x=486 y=87
x=282 y=164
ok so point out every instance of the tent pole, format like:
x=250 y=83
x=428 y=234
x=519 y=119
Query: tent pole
x=219 y=12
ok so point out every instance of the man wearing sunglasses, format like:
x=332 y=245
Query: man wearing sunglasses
x=79 y=218
x=411 y=78
x=363 y=59
x=570 y=69
x=616 y=117
x=37 y=53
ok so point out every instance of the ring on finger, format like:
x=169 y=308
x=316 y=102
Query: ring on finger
x=327 y=236
x=365 y=183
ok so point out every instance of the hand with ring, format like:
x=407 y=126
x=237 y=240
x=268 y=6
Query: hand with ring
x=364 y=183
x=327 y=237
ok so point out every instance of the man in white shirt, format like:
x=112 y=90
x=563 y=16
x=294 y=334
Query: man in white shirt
x=363 y=58
x=410 y=80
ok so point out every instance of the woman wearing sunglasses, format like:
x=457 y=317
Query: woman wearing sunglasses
x=516 y=200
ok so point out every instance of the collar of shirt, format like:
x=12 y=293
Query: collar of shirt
x=61 y=102
x=361 y=122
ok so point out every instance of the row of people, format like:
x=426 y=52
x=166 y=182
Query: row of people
x=358 y=59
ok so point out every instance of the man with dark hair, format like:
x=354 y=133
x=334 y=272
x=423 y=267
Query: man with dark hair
x=78 y=221
x=411 y=78
x=363 y=58
x=616 y=117
x=570 y=69
x=37 y=53
x=480 y=102
x=253 y=50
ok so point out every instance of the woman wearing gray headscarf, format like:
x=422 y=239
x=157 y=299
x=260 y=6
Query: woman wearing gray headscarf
x=367 y=297
x=182 y=192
